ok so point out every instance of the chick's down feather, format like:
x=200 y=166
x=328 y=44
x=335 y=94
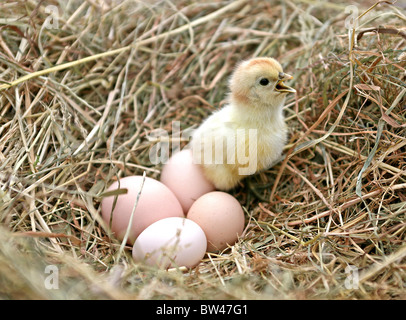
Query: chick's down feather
x=249 y=133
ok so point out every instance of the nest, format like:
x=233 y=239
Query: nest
x=84 y=85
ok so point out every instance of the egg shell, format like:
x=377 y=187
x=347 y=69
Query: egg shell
x=155 y=202
x=220 y=216
x=185 y=178
x=171 y=242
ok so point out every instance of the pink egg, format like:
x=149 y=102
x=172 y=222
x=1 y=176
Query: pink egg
x=220 y=216
x=185 y=178
x=155 y=202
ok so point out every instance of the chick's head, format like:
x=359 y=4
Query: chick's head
x=259 y=81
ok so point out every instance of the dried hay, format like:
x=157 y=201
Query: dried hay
x=81 y=92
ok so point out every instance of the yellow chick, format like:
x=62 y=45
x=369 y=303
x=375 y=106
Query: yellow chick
x=249 y=133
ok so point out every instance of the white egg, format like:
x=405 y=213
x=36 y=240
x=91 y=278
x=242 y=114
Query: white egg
x=171 y=242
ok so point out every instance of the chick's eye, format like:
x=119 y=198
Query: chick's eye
x=263 y=82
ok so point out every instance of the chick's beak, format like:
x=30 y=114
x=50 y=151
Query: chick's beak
x=280 y=86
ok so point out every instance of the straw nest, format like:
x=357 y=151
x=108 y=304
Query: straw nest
x=84 y=84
